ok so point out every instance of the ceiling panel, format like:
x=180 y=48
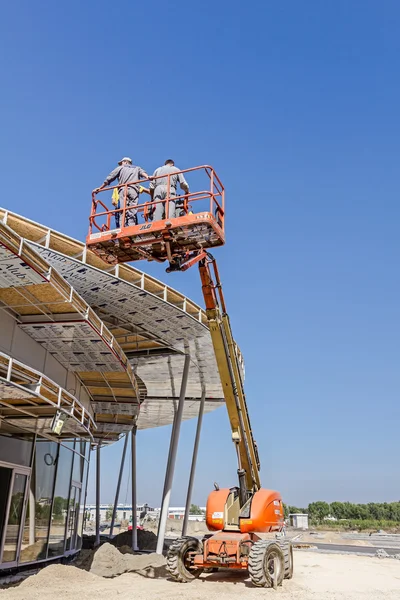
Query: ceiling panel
x=115 y=408
x=75 y=345
x=112 y=428
x=126 y=301
x=162 y=411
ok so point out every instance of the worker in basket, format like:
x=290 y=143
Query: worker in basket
x=126 y=172
x=159 y=191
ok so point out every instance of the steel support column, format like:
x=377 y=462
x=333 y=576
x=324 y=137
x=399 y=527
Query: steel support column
x=134 y=497
x=173 y=448
x=121 y=470
x=194 y=461
x=97 y=543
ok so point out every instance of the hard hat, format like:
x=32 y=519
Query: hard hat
x=126 y=158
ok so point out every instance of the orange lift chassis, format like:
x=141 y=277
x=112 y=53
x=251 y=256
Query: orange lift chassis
x=236 y=515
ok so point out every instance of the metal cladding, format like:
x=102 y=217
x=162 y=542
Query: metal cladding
x=152 y=325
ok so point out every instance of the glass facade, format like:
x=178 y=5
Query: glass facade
x=60 y=504
x=37 y=521
x=41 y=498
x=11 y=537
x=81 y=517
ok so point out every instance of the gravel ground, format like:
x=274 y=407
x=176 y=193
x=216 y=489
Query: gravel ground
x=317 y=577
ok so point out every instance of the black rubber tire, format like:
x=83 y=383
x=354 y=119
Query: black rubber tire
x=260 y=565
x=287 y=550
x=176 y=556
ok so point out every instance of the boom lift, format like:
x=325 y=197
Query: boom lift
x=236 y=515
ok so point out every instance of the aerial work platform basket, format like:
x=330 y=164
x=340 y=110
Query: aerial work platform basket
x=199 y=226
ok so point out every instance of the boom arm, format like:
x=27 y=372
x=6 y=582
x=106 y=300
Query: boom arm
x=231 y=379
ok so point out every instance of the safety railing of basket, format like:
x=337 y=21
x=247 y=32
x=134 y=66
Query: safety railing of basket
x=100 y=220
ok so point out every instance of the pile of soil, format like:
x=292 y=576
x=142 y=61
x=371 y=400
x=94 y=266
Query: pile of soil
x=108 y=561
x=84 y=560
x=147 y=540
x=55 y=577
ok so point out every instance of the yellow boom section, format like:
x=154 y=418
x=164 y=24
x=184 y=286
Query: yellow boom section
x=231 y=379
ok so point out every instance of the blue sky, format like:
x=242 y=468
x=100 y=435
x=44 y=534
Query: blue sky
x=296 y=105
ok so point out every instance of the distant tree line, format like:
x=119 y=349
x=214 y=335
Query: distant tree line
x=319 y=511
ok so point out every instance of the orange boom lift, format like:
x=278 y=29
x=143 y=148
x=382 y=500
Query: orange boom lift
x=236 y=515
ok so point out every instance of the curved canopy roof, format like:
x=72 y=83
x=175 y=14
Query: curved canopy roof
x=153 y=324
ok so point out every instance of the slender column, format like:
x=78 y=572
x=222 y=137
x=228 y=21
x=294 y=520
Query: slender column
x=97 y=543
x=194 y=461
x=121 y=470
x=32 y=515
x=169 y=475
x=134 y=497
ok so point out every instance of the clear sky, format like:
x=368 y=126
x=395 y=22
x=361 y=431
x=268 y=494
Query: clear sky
x=296 y=105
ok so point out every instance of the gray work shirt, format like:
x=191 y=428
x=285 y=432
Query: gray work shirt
x=173 y=180
x=125 y=174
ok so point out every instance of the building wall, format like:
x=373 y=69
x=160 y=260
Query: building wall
x=19 y=345
x=299 y=521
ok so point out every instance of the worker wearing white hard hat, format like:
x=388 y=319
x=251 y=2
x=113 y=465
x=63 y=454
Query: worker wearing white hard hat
x=125 y=173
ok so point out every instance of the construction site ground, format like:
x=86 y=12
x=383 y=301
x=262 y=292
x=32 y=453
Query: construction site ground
x=317 y=576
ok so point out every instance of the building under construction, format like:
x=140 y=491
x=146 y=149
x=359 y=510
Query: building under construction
x=89 y=352
x=95 y=349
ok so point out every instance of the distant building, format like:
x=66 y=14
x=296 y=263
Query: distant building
x=178 y=512
x=299 y=521
x=124 y=512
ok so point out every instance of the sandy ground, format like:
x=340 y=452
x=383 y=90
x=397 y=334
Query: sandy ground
x=317 y=577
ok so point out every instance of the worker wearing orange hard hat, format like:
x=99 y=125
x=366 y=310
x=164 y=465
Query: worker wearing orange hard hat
x=159 y=190
x=125 y=173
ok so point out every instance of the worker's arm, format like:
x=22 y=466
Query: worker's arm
x=183 y=183
x=143 y=190
x=142 y=174
x=153 y=183
x=109 y=179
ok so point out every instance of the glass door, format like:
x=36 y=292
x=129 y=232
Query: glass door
x=12 y=507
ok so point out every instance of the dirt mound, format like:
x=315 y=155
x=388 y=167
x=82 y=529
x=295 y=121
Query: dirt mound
x=125 y=550
x=57 y=577
x=108 y=561
x=147 y=540
x=84 y=560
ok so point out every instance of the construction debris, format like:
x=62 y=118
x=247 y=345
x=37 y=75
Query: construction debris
x=381 y=553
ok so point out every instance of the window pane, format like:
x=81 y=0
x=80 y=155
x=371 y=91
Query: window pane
x=16 y=450
x=78 y=467
x=60 y=506
x=5 y=482
x=37 y=521
x=73 y=514
x=14 y=518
